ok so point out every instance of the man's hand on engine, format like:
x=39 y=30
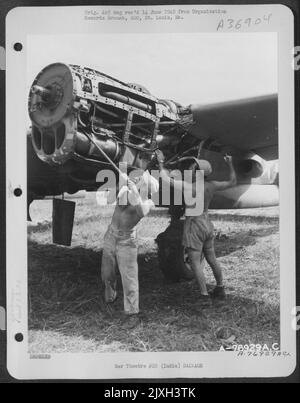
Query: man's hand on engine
x=228 y=159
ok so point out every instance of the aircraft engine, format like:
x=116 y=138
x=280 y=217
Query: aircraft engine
x=83 y=120
x=69 y=105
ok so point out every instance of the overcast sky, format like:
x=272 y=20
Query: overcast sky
x=189 y=68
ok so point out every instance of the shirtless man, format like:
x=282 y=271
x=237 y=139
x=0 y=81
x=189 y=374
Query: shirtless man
x=198 y=234
x=120 y=241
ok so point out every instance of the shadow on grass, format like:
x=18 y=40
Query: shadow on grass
x=104 y=214
x=80 y=259
x=225 y=245
x=66 y=296
x=258 y=219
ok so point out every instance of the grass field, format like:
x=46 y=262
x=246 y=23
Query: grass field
x=67 y=312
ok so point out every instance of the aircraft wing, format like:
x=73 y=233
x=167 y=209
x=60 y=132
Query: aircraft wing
x=248 y=124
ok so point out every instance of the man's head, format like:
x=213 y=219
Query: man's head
x=194 y=164
x=202 y=165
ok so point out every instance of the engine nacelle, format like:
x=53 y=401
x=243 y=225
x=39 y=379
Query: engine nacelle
x=255 y=170
x=250 y=168
x=66 y=102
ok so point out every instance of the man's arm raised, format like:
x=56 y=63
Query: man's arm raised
x=119 y=192
x=222 y=185
x=143 y=207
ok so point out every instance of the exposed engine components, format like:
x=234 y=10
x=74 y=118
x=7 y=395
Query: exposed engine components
x=68 y=104
x=84 y=121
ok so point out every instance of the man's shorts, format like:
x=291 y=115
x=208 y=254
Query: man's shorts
x=197 y=231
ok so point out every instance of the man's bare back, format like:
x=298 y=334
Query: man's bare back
x=211 y=187
x=125 y=218
x=130 y=208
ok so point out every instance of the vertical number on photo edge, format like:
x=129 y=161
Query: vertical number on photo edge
x=2 y=318
x=2 y=58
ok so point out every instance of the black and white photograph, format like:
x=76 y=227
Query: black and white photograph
x=233 y=128
x=155 y=207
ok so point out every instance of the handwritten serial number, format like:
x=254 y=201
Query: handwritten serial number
x=233 y=24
